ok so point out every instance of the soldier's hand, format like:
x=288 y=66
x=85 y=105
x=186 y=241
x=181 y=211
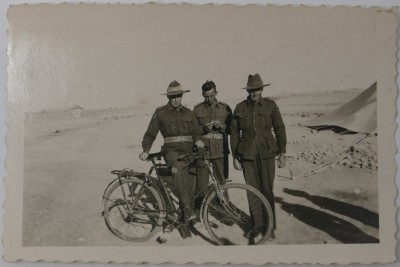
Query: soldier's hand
x=217 y=124
x=281 y=161
x=199 y=144
x=237 y=165
x=143 y=156
x=208 y=127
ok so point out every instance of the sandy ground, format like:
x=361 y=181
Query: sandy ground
x=68 y=160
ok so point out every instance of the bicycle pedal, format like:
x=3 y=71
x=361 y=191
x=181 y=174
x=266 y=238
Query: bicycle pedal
x=168 y=230
x=192 y=217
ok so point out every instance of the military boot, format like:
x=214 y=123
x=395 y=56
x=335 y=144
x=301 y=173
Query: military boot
x=184 y=228
x=184 y=231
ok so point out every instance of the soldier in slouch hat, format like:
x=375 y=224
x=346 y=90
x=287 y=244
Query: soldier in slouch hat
x=180 y=130
x=254 y=146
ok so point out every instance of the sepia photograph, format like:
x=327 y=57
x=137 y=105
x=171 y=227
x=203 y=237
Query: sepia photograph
x=183 y=128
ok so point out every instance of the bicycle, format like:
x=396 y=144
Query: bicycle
x=136 y=205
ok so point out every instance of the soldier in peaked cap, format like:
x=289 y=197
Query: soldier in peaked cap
x=254 y=147
x=214 y=119
x=180 y=130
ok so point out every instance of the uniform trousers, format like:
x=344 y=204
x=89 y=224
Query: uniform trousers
x=260 y=174
x=184 y=183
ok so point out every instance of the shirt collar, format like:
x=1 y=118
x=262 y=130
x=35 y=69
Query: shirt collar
x=215 y=105
x=170 y=107
x=250 y=102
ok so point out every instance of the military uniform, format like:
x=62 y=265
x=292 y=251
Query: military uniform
x=180 y=130
x=216 y=140
x=253 y=142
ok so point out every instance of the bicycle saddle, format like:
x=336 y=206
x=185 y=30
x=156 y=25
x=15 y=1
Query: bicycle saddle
x=156 y=156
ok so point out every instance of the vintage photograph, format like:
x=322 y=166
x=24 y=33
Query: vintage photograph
x=176 y=126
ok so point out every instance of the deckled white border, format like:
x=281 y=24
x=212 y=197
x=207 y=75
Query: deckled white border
x=4 y=4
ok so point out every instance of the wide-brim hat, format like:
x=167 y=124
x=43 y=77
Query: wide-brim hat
x=174 y=88
x=255 y=82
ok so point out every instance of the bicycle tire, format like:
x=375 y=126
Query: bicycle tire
x=143 y=220
x=231 y=223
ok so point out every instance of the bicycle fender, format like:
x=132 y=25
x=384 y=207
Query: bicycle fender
x=116 y=180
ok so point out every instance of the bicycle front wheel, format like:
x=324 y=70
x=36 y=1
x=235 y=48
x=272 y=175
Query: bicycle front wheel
x=133 y=211
x=241 y=215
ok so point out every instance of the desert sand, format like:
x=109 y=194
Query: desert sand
x=69 y=156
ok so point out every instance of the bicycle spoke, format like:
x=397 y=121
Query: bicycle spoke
x=241 y=212
x=125 y=228
x=221 y=210
x=133 y=210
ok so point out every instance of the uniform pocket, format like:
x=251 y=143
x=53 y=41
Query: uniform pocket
x=242 y=146
x=221 y=115
x=168 y=126
x=272 y=144
x=265 y=118
x=244 y=121
x=203 y=119
x=186 y=126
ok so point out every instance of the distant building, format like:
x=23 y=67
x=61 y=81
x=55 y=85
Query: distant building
x=76 y=111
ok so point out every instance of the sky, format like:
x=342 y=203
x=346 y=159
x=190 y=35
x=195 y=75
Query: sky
x=102 y=56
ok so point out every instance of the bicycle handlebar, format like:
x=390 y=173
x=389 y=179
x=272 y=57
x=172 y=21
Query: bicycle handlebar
x=199 y=154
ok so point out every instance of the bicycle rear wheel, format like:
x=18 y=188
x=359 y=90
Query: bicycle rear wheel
x=133 y=211
x=229 y=221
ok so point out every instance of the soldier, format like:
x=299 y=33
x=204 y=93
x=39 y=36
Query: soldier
x=254 y=147
x=214 y=119
x=180 y=130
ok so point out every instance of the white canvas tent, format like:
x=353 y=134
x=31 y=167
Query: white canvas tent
x=358 y=115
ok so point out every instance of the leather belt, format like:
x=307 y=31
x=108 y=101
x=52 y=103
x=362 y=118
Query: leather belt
x=214 y=136
x=178 y=139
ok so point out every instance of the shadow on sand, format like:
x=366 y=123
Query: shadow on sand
x=361 y=214
x=336 y=227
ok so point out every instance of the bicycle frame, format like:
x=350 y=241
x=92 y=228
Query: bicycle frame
x=164 y=191
x=161 y=188
x=215 y=184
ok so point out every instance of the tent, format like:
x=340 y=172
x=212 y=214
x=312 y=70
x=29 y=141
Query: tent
x=359 y=115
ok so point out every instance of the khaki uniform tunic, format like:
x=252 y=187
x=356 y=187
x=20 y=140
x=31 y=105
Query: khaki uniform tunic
x=206 y=113
x=171 y=122
x=254 y=123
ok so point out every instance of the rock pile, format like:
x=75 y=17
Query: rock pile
x=359 y=158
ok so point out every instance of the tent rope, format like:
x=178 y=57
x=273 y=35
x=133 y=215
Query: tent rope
x=341 y=156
